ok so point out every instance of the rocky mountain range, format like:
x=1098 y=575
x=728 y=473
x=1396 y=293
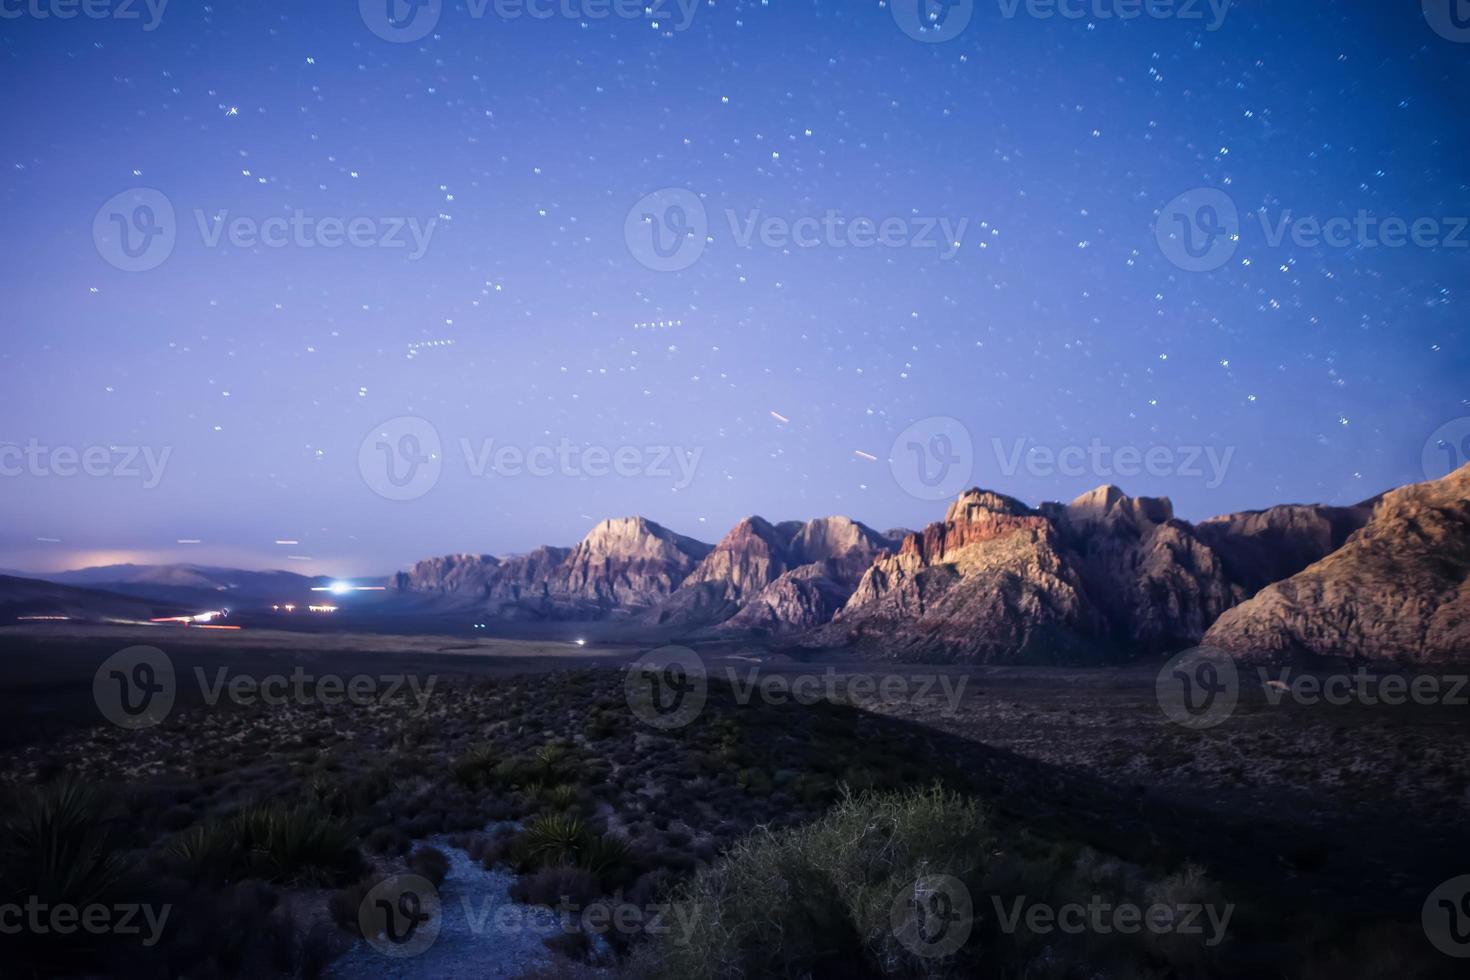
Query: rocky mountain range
x=1398 y=588
x=1106 y=577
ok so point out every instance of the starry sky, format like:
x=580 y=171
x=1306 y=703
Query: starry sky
x=272 y=374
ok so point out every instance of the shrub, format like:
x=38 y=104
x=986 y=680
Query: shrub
x=296 y=843
x=55 y=844
x=431 y=863
x=554 y=839
x=817 y=899
x=206 y=853
x=475 y=769
x=268 y=841
x=551 y=886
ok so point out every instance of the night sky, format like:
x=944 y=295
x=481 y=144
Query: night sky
x=528 y=152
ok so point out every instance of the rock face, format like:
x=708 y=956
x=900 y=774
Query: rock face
x=989 y=583
x=775 y=577
x=1263 y=546
x=1158 y=585
x=1398 y=589
x=621 y=566
x=626 y=562
x=826 y=559
x=1106 y=577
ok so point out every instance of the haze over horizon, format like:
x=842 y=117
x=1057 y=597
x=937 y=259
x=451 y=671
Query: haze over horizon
x=265 y=381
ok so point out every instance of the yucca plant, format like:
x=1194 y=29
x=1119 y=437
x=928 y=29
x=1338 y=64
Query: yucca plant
x=473 y=770
x=207 y=852
x=603 y=854
x=555 y=839
x=295 y=843
x=562 y=797
x=54 y=844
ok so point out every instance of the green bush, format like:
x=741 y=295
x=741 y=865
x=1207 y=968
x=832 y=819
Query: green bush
x=269 y=841
x=55 y=844
x=554 y=839
x=818 y=899
x=475 y=769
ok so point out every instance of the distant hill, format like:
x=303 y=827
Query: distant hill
x=192 y=585
x=21 y=597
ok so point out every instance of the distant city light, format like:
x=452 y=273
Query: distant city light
x=342 y=588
